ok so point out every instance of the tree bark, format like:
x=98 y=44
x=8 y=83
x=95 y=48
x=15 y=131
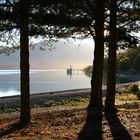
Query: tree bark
x=24 y=64
x=97 y=73
x=111 y=81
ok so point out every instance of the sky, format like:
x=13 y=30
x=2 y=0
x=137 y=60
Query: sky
x=78 y=53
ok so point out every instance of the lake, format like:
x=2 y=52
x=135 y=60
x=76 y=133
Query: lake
x=42 y=81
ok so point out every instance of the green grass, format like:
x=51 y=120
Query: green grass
x=127 y=97
x=68 y=102
x=9 y=110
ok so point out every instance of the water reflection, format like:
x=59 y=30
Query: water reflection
x=71 y=72
x=42 y=81
x=120 y=78
x=9 y=72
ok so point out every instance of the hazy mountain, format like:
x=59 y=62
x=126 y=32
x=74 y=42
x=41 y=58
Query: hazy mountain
x=60 y=57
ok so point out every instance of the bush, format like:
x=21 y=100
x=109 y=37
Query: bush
x=134 y=88
x=138 y=94
x=49 y=103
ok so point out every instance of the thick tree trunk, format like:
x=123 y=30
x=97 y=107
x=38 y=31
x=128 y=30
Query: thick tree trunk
x=24 y=64
x=111 y=81
x=97 y=73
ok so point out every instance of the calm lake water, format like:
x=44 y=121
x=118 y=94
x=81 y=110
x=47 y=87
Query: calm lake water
x=42 y=81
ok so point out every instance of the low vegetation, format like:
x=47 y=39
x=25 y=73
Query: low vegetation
x=130 y=93
x=9 y=110
x=81 y=101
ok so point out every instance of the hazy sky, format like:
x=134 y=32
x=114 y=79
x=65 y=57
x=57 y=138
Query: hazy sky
x=79 y=54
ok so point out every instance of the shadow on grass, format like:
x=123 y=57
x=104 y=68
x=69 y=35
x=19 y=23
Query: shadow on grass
x=11 y=128
x=92 y=129
x=117 y=129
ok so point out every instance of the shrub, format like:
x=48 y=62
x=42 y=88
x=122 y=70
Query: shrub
x=49 y=103
x=138 y=94
x=134 y=88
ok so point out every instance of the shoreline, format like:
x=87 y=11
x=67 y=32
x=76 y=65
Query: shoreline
x=47 y=93
x=39 y=99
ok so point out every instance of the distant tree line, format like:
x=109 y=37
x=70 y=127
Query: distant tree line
x=127 y=60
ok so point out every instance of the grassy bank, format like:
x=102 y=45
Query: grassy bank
x=77 y=98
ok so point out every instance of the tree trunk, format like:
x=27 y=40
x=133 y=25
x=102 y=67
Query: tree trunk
x=24 y=64
x=97 y=73
x=111 y=81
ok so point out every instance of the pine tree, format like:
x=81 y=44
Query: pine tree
x=24 y=63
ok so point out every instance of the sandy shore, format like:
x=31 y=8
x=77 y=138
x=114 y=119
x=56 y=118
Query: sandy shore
x=40 y=99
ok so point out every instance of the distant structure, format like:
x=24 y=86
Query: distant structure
x=69 y=70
